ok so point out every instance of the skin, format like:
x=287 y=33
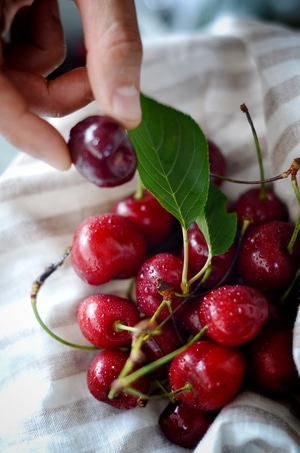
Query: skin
x=36 y=47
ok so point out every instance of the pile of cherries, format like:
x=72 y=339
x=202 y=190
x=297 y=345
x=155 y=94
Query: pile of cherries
x=232 y=331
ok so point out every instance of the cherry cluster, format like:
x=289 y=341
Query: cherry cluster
x=195 y=347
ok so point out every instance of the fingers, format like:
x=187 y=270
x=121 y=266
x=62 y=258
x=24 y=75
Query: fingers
x=28 y=132
x=114 y=55
x=37 y=39
x=61 y=96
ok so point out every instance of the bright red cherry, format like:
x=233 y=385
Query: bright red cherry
x=107 y=246
x=102 y=151
x=148 y=215
x=103 y=370
x=214 y=372
x=163 y=267
x=233 y=314
x=98 y=318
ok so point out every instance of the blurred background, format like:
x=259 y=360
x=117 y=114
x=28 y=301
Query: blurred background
x=160 y=17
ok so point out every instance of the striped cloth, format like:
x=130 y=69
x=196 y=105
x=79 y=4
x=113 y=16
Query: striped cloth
x=44 y=403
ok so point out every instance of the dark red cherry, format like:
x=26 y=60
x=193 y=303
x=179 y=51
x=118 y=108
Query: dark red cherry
x=233 y=314
x=102 y=151
x=148 y=215
x=271 y=366
x=103 y=370
x=250 y=206
x=264 y=261
x=107 y=246
x=184 y=425
x=198 y=253
x=98 y=318
x=217 y=163
x=214 y=372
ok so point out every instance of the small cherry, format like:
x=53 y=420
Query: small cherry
x=103 y=370
x=184 y=425
x=165 y=268
x=102 y=319
x=217 y=163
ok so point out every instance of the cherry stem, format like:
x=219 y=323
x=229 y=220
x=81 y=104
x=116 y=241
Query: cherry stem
x=244 y=109
x=186 y=388
x=36 y=286
x=203 y=270
x=282 y=175
x=124 y=383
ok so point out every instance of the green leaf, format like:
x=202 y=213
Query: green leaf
x=172 y=157
x=217 y=225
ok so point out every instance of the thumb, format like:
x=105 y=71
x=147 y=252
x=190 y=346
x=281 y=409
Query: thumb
x=114 y=55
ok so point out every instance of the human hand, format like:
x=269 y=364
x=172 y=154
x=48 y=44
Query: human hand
x=36 y=48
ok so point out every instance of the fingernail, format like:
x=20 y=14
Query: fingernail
x=126 y=103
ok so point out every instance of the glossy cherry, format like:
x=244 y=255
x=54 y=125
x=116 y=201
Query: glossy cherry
x=148 y=215
x=233 y=314
x=107 y=246
x=99 y=316
x=214 y=372
x=264 y=261
x=103 y=370
x=163 y=267
x=250 y=205
x=184 y=425
x=102 y=151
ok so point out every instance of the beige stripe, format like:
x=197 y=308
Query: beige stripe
x=285 y=144
x=277 y=56
x=281 y=93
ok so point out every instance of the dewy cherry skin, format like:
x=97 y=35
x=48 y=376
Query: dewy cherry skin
x=103 y=370
x=233 y=314
x=107 y=246
x=264 y=261
x=98 y=318
x=214 y=372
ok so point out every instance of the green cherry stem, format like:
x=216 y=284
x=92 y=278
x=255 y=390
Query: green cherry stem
x=120 y=384
x=36 y=286
x=184 y=280
x=139 y=193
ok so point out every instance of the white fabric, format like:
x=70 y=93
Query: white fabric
x=44 y=403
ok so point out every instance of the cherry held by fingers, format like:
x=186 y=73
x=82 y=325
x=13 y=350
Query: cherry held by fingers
x=102 y=151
